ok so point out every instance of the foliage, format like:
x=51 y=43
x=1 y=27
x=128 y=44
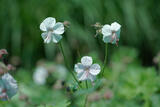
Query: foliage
x=130 y=85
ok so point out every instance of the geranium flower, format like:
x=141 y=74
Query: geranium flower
x=40 y=75
x=111 y=33
x=8 y=87
x=86 y=70
x=52 y=30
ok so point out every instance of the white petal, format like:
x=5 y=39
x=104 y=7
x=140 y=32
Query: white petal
x=107 y=39
x=48 y=37
x=58 y=28
x=56 y=38
x=115 y=26
x=44 y=35
x=40 y=75
x=48 y=23
x=118 y=33
x=95 y=69
x=79 y=68
x=83 y=76
x=92 y=77
x=86 y=60
x=106 y=30
x=10 y=84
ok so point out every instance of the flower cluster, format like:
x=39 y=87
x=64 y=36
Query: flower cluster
x=85 y=70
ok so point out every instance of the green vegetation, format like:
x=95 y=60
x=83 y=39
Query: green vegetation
x=131 y=78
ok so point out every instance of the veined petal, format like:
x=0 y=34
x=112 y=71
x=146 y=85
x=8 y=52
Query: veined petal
x=58 y=28
x=83 y=76
x=79 y=68
x=106 y=30
x=115 y=26
x=48 y=23
x=48 y=37
x=44 y=35
x=107 y=39
x=86 y=60
x=95 y=69
x=56 y=38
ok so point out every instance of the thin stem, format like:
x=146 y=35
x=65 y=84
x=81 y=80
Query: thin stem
x=86 y=84
x=105 y=59
x=66 y=63
x=85 y=103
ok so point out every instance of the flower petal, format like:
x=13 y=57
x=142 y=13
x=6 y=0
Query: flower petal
x=86 y=60
x=95 y=69
x=107 y=39
x=83 y=76
x=44 y=35
x=10 y=84
x=118 y=33
x=48 y=23
x=115 y=26
x=106 y=30
x=40 y=75
x=56 y=38
x=79 y=68
x=58 y=28
x=92 y=77
x=47 y=37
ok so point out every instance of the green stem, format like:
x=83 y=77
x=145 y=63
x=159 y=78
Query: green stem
x=66 y=63
x=105 y=60
x=85 y=103
x=86 y=84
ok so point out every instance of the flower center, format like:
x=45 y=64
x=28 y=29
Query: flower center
x=114 y=37
x=50 y=29
x=87 y=69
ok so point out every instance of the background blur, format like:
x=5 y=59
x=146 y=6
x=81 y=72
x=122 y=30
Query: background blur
x=20 y=20
x=21 y=36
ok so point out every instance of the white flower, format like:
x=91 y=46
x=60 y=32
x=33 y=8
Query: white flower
x=40 y=75
x=111 y=33
x=86 y=70
x=52 y=30
x=9 y=85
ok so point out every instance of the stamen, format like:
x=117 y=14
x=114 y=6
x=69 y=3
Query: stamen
x=113 y=37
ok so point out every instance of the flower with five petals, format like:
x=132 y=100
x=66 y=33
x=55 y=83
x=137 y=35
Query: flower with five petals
x=51 y=30
x=86 y=70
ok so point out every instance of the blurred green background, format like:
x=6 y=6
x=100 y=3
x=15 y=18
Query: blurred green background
x=20 y=20
x=131 y=76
